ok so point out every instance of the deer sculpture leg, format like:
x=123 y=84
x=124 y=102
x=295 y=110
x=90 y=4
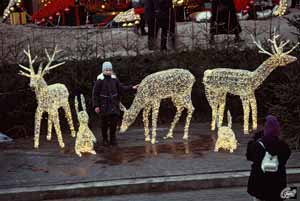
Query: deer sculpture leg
x=155 y=110
x=37 y=127
x=213 y=102
x=246 y=108
x=190 y=110
x=69 y=118
x=179 y=107
x=222 y=103
x=253 y=105
x=50 y=119
x=57 y=129
x=146 y=122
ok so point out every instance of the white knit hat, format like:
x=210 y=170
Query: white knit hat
x=106 y=66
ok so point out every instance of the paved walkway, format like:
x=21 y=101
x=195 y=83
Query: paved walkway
x=22 y=166
x=220 y=194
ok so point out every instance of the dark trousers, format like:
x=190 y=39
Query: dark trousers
x=142 y=23
x=294 y=2
x=109 y=122
x=167 y=27
x=152 y=32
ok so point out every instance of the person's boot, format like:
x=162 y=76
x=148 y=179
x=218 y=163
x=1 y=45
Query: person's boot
x=113 y=141
x=104 y=140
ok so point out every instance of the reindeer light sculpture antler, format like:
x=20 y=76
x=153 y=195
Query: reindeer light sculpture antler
x=49 y=97
x=220 y=81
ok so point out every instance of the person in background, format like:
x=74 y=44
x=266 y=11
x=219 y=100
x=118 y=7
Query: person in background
x=166 y=21
x=138 y=6
x=262 y=185
x=106 y=99
x=224 y=20
x=151 y=14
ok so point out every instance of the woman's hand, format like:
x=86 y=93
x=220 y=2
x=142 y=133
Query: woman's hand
x=135 y=87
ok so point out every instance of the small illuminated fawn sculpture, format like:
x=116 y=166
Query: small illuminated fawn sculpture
x=49 y=97
x=85 y=138
x=226 y=137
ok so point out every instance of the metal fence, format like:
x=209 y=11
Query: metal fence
x=86 y=43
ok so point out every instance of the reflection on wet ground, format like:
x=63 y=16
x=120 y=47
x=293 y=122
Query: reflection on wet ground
x=121 y=155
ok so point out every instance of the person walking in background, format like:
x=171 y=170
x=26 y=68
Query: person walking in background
x=106 y=99
x=138 y=6
x=267 y=184
x=224 y=19
x=166 y=21
x=150 y=14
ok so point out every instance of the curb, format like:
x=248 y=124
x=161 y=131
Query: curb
x=136 y=185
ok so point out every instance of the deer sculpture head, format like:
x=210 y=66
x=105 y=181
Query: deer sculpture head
x=36 y=79
x=279 y=57
x=128 y=119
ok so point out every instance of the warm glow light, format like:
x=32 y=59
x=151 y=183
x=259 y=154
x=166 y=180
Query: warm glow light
x=49 y=97
x=10 y=5
x=175 y=84
x=220 y=81
x=282 y=8
x=85 y=138
x=178 y=2
x=128 y=16
x=226 y=137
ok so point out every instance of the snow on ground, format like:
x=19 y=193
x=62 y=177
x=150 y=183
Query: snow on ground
x=88 y=42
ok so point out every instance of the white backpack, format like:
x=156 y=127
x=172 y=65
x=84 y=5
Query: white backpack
x=269 y=163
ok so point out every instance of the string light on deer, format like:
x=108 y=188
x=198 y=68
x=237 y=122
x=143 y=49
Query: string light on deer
x=10 y=7
x=220 y=81
x=85 y=138
x=127 y=16
x=49 y=97
x=282 y=8
x=226 y=137
x=175 y=84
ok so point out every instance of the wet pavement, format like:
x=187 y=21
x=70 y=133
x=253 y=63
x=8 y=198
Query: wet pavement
x=23 y=166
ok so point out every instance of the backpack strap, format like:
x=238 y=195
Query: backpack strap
x=262 y=144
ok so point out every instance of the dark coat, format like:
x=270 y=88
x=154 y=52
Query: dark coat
x=166 y=13
x=151 y=9
x=165 y=6
x=224 y=19
x=106 y=95
x=267 y=186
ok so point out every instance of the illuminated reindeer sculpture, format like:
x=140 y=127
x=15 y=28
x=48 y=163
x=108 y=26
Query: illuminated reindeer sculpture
x=175 y=84
x=49 y=97
x=220 y=81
